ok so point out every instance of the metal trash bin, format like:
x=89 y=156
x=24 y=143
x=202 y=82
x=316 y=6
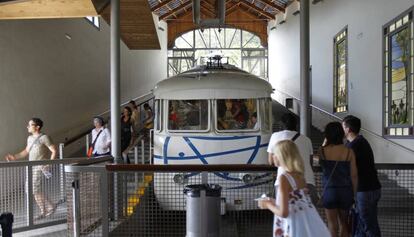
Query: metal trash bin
x=203 y=210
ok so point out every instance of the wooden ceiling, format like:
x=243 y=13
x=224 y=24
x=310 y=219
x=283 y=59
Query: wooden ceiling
x=137 y=24
x=138 y=30
x=251 y=15
x=44 y=9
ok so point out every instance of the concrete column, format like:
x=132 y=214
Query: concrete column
x=115 y=82
x=305 y=113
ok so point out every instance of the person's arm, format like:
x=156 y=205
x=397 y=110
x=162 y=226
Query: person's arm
x=108 y=138
x=281 y=210
x=53 y=150
x=354 y=172
x=24 y=153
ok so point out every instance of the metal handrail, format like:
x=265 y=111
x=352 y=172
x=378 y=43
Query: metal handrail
x=362 y=129
x=87 y=131
x=78 y=161
x=191 y=168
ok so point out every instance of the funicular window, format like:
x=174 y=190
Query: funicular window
x=237 y=114
x=188 y=115
x=265 y=113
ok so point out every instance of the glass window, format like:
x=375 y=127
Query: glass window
x=94 y=20
x=188 y=115
x=399 y=76
x=341 y=71
x=265 y=113
x=190 y=48
x=237 y=114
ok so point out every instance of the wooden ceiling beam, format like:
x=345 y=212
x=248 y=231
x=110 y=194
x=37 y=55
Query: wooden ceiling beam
x=273 y=5
x=161 y=4
x=232 y=8
x=257 y=9
x=182 y=6
x=252 y=14
x=211 y=13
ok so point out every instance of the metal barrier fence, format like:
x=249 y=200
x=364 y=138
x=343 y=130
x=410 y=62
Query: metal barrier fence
x=151 y=202
x=27 y=187
x=148 y=200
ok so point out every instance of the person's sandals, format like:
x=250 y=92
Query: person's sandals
x=50 y=211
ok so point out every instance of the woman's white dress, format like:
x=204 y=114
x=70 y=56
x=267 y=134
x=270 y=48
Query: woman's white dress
x=303 y=219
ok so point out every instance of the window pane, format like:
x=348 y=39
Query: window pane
x=400 y=71
x=217 y=38
x=179 y=65
x=250 y=40
x=341 y=74
x=236 y=114
x=233 y=38
x=188 y=115
x=265 y=114
x=202 y=38
x=184 y=41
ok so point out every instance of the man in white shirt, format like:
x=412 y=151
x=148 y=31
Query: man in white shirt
x=39 y=147
x=304 y=145
x=101 y=138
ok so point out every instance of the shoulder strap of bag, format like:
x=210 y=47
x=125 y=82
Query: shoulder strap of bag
x=34 y=142
x=96 y=138
x=295 y=137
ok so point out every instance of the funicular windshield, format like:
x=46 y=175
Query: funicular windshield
x=188 y=115
x=237 y=114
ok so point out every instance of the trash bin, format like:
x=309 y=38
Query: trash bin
x=203 y=210
x=6 y=222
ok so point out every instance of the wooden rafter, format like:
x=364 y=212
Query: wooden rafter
x=179 y=8
x=232 y=8
x=254 y=15
x=273 y=5
x=210 y=12
x=258 y=10
x=161 y=4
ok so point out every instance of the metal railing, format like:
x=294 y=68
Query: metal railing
x=148 y=200
x=321 y=117
x=28 y=187
x=85 y=134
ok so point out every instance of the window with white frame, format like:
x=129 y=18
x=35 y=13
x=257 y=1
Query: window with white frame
x=398 y=75
x=242 y=48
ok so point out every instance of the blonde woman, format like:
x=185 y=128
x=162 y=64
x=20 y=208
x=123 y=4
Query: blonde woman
x=295 y=215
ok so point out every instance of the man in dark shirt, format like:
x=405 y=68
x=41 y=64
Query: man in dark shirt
x=369 y=187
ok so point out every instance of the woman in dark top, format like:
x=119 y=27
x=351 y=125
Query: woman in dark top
x=126 y=131
x=339 y=179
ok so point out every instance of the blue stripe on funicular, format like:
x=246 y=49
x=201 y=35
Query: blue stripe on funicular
x=256 y=149
x=226 y=176
x=223 y=138
x=199 y=156
x=207 y=155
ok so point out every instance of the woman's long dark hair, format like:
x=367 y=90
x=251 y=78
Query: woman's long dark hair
x=334 y=133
